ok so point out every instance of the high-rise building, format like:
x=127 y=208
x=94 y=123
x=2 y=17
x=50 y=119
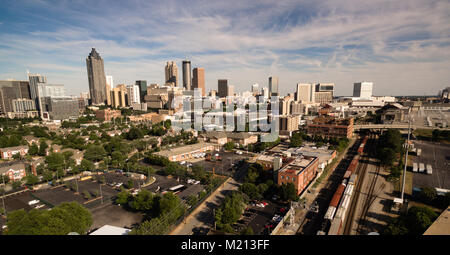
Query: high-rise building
x=187 y=77
x=133 y=94
x=119 y=96
x=11 y=90
x=172 y=73
x=230 y=90
x=60 y=108
x=305 y=92
x=222 y=88
x=109 y=87
x=265 y=92
x=273 y=86
x=54 y=90
x=198 y=79
x=96 y=77
x=255 y=88
x=362 y=89
x=142 y=89
x=324 y=93
x=37 y=83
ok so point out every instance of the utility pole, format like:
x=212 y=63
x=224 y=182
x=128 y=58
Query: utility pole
x=101 y=195
x=406 y=159
x=3 y=197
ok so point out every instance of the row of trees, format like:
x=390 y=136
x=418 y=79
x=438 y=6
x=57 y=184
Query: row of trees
x=229 y=212
x=161 y=211
x=60 y=220
x=415 y=222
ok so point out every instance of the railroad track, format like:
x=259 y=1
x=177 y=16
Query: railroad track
x=370 y=198
x=361 y=173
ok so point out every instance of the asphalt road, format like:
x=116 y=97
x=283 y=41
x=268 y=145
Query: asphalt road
x=438 y=155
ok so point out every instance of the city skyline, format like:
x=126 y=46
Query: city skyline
x=340 y=43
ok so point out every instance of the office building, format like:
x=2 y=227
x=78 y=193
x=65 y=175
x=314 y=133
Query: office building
x=133 y=94
x=23 y=105
x=109 y=87
x=142 y=89
x=171 y=71
x=288 y=124
x=96 y=77
x=362 y=89
x=107 y=114
x=265 y=92
x=11 y=90
x=54 y=90
x=324 y=93
x=119 y=96
x=61 y=108
x=37 y=83
x=187 y=77
x=273 y=86
x=305 y=93
x=301 y=172
x=198 y=80
x=329 y=126
x=255 y=89
x=222 y=88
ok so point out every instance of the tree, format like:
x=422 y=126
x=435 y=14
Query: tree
x=288 y=192
x=95 y=153
x=155 y=226
x=250 y=190
x=43 y=148
x=143 y=201
x=31 y=179
x=428 y=194
x=247 y=231
x=87 y=194
x=229 y=146
x=387 y=156
x=296 y=140
x=61 y=220
x=171 y=207
x=87 y=165
x=16 y=184
x=134 y=133
x=55 y=161
x=33 y=150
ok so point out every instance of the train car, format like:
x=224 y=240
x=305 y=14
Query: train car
x=353 y=164
x=330 y=213
x=362 y=145
x=353 y=179
x=349 y=189
x=347 y=174
x=337 y=196
x=335 y=227
x=343 y=206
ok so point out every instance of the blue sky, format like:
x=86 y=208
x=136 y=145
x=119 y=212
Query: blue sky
x=401 y=46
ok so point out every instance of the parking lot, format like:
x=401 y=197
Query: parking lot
x=438 y=156
x=261 y=219
x=223 y=166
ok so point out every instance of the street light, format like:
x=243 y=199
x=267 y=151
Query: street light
x=406 y=158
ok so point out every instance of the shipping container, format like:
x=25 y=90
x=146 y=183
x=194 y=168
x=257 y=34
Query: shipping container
x=349 y=189
x=353 y=164
x=429 y=169
x=330 y=213
x=352 y=179
x=347 y=174
x=335 y=227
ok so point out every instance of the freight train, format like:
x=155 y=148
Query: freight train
x=340 y=202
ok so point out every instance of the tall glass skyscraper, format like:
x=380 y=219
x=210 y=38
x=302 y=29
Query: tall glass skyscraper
x=142 y=89
x=97 y=78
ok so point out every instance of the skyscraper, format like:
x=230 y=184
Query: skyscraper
x=222 y=88
x=133 y=94
x=198 y=79
x=273 y=86
x=142 y=89
x=324 y=93
x=119 y=96
x=96 y=76
x=362 y=89
x=187 y=78
x=255 y=88
x=305 y=92
x=172 y=73
x=109 y=87
x=37 y=83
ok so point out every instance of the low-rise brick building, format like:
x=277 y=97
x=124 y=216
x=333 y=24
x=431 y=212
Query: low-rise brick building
x=300 y=172
x=329 y=126
x=9 y=152
x=15 y=170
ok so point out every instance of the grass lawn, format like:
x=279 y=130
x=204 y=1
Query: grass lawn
x=428 y=133
x=408 y=183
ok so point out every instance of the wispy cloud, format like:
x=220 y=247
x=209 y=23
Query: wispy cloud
x=389 y=43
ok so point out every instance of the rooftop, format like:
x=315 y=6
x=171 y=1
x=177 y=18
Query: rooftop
x=111 y=230
x=441 y=226
x=298 y=165
x=183 y=149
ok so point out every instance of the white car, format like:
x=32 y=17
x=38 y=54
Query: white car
x=182 y=162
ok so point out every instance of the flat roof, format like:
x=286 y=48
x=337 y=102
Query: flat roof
x=298 y=165
x=183 y=149
x=441 y=226
x=111 y=230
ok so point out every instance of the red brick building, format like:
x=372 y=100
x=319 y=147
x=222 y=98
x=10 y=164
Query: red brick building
x=300 y=172
x=328 y=126
x=107 y=114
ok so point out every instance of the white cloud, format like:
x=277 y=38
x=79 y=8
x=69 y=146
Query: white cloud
x=397 y=45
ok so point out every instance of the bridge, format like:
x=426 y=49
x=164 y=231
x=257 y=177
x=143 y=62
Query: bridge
x=392 y=126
